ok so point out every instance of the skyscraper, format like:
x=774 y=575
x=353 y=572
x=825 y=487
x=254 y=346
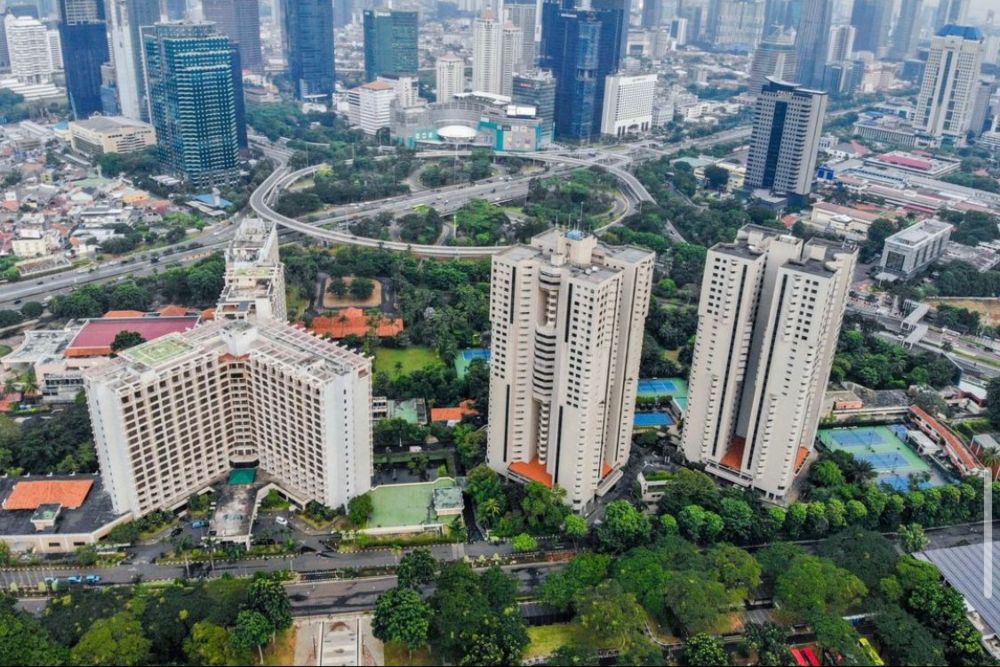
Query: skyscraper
x=450 y=73
x=775 y=57
x=871 y=20
x=951 y=11
x=736 y=25
x=496 y=52
x=309 y=44
x=84 y=34
x=239 y=20
x=812 y=41
x=538 y=89
x=781 y=14
x=176 y=9
x=768 y=320
x=128 y=18
x=28 y=49
x=841 y=43
x=787 y=124
x=390 y=43
x=566 y=315
x=945 y=100
x=524 y=16
x=580 y=48
x=904 y=35
x=192 y=98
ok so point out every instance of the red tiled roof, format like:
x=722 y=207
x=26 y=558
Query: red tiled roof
x=733 y=458
x=606 y=470
x=354 y=322
x=904 y=161
x=96 y=336
x=533 y=470
x=800 y=458
x=115 y=314
x=453 y=414
x=956 y=449
x=28 y=495
x=172 y=311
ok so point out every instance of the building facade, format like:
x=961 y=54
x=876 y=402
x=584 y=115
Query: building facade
x=496 y=51
x=390 y=43
x=370 y=106
x=909 y=251
x=787 y=125
x=128 y=18
x=101 y=135
x=28 y=49
x=812 y=40
x=450 y=77
x=239 y=20
x=628 y=104
x=841 y=44
x=775 y=57
x=192 y=99
x=308 y=26
x=255 y=277
x=768 y=321
x=84 y=34
x=524 y=16
x=907 y=30
x=870 y=19
x=537 y=89
x=948 y=87
x=567 y=316
x=174 y=415
x=736 y=25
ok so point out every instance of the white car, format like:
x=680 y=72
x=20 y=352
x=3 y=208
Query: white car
x=281 y=521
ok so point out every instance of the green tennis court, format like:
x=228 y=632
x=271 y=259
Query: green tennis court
x=405 y=504
x=880 y=446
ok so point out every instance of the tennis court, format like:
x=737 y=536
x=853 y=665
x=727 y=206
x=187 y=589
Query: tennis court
x=884 y=448
x=657 y=387
x=652 y=419
x=464 y=358
x=397 y=505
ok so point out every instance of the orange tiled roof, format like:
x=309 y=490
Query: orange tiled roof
x=605 y=470
x=354 y=322
x=954 y=446
x=800 y=458
x=453 y=413
x=28 y=495
x=113 y=314
x=533 y=470
x=172 y=311
x=208 y=314
x=733 y=458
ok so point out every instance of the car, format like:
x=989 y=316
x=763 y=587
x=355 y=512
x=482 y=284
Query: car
x=74 y=579
x=40 y=282
x=17 y=301
x=176 y=531
x=281 y=521
x=200 y=523
x=93 y=579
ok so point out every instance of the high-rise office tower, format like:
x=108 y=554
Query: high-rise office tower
x=656 y=13
x=84 y=33
x=781 y=14
x=450 y=73
x=679 y=31
x=511 y=54
x=538 y=89
x=775 y=57
x=736 y=25
x=581 y=49
x=768 y=320
x=628 y=104
x=192 y=99
x=904 y=35
x=841 y=43
x=390 y=43
x=128 y=18
x=343 y=11
x=812 y=41
x=567 y=316
x=871 y=20
x=951 y=12
x=309 y=44
x=945 y=100
x=239 y=20
x=28 y=46
x=619 y=12
x=787 y=124
x=174 y=415
x=524 y=16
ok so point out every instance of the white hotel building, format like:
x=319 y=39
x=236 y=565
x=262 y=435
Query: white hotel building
x=173 y=415
x=769 y=317
x=628 y=104
x=567 y=317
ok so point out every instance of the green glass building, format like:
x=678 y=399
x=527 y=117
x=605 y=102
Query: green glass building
x=192 y=98
x=390 y=43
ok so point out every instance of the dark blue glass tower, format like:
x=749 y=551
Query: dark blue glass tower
x=390 y=43
x=84 y=34
x=581 y=48
x=309 y=39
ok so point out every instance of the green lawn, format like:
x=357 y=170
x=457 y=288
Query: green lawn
x=412 y=359
x=546 y=639
x=4 y=350
x=297 y=304
x=397 y=654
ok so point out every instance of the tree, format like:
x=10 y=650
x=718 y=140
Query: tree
x=737 y=518
x=817 y=585
x=360 y=509
x=904 y=639
x=23 y=640
x=416 y=568
x=912 y=538
x=700 y=525
x=993 y=401
x=575 y=527
x=128 y=296
x=572 y=655
x=402 y=616
x=210 y=644
x=524 y=542
x=126 y=339
x=268 y=597
x=769 y=642
x=338 y=287
x=704 y=650
x=838 y=636
x=32 y=310
x=362 y=288
x=716 y=177
x=252 y=630
x=624 y=527
x=695 y=601
x=560 y=588
x=738 y=571
x=611 y=618
x=118 y=640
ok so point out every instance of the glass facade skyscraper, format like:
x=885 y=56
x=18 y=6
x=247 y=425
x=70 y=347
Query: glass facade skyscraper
x=309 y=40
x=83 y=32
x=193 y=103
x=240 y=21
x=390 y=43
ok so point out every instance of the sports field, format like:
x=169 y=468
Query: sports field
x=464 y=358
x=881 y=446
x=657 y=387
x=405 y=504
x=411 y=358
x=652 y=419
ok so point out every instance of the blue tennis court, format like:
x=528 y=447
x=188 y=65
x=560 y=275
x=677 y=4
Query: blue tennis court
x=885 y=448
x=464 y=358
x=656 y=387
x=652 y=419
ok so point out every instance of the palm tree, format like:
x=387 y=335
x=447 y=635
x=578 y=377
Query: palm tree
x=491 y=508
x=29 y=384
x=10 y=386
x=990 y=457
